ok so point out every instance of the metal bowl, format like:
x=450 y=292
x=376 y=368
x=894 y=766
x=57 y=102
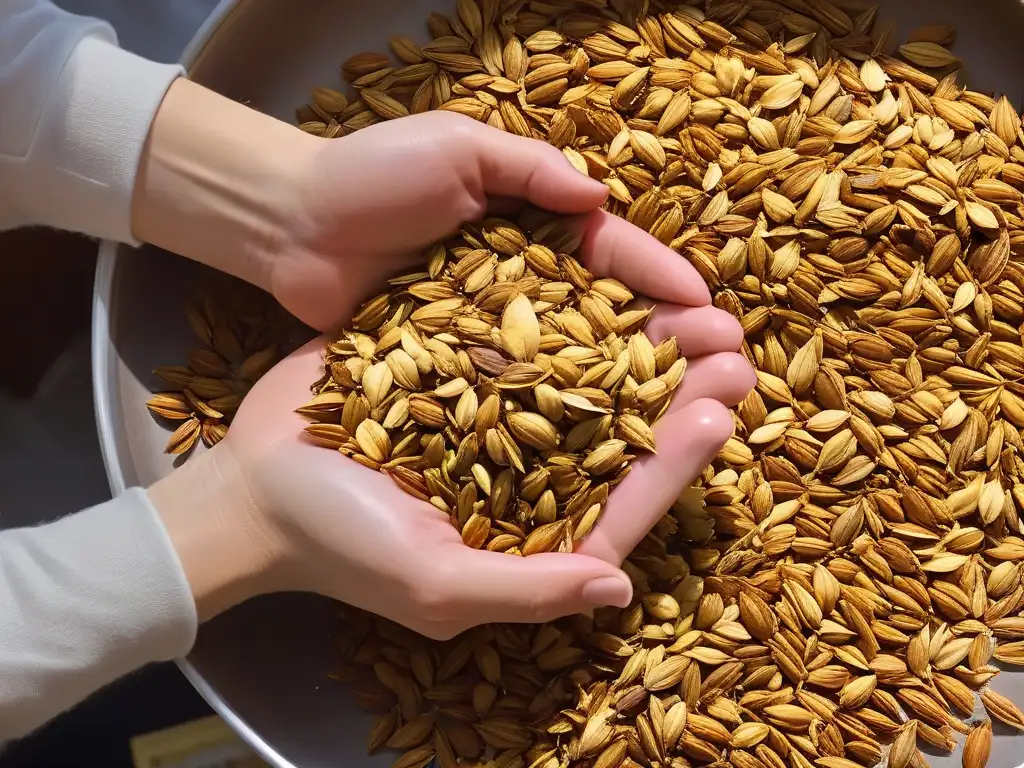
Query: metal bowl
x=264 y=666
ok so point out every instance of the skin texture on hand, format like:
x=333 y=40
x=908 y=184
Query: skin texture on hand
x=226 y=550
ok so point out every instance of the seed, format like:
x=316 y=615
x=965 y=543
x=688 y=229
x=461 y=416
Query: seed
x=533 y=429
x=748 y=735
x=413 y=733
x=661 y=607
x=605 y=457
x=1001 y=708
x=927 y=54
x=903 y=751
x=856 y=693
x=978 y=746
x=184 y=437
x=788 y=716
x=373 y=440
x=635 y=432
x=381 y=731
x=170 y=405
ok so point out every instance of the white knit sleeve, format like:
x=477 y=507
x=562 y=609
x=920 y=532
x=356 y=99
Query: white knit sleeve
x=74 y=114
x=83 y=601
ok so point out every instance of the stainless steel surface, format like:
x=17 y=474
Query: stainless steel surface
x=264 y=666
x=155 y=29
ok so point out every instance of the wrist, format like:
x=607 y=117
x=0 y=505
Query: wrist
x=217 y=181
x=213 y=523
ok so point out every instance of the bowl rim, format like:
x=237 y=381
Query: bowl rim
x=103 y=357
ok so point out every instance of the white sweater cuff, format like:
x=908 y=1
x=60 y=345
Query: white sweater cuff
x=91 y=136
x=85 y=600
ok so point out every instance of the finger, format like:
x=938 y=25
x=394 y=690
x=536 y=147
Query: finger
x=612 y=247
x=489 y=587
x=698 y=330
x=687 y=441
x=514 y=166
x=724 y=376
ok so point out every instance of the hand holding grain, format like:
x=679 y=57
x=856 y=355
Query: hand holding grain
x=316 y=520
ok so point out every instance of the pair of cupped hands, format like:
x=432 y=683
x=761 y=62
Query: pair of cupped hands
x=267 y=511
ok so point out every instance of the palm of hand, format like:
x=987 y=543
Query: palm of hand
x=352 y=534
x=345 y=531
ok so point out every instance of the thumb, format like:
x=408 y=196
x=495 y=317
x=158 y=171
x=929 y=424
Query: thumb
x=532 y=170
x=535 y=589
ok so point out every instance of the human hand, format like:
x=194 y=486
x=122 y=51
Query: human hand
x=321 y=223
x=375 y=199
x=288 y=515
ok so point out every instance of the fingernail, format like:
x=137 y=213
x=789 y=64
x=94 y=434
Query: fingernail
x=596 y=184
x=608 y=590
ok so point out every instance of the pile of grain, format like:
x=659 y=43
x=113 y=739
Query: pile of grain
x=504 y=385
x=851 y=565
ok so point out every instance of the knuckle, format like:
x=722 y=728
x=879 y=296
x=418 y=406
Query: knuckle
x=468 y=206
x=538 y=609
x=433 y=598
x=455 y=126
